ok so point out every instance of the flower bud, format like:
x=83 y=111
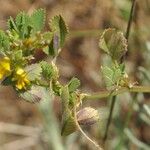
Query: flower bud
x=87 y=116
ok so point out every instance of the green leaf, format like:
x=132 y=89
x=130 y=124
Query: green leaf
x=49 y=71
x=23 y=24
x=68 y=120
x=60 y=31
x=73 y=84
x=38 y=19
x=33 y=72
x=65 y=99
x=4 y=42
x=12 y=25
x=112 y=76
x=49 y=50
x=108 y=75
x=35 y=94
x=69 y=126
x=113 y=43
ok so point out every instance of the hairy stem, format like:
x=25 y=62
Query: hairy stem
x=105 y=94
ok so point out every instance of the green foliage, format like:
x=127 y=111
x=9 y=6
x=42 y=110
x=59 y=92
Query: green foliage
x=113 y=43
x=108 y=75
x=24 y=25
x=49 y=71
x=59 y=28
x=112 y=76
x=68 y=120
x=38 y=19
x=40 y=80
x=4 y=42
x=12 y=25
x=73 y=84
x=60 y=31
x=17 y=59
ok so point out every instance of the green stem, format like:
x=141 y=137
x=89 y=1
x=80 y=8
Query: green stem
x=105 y=94
x=109 y=118
x=130 y=19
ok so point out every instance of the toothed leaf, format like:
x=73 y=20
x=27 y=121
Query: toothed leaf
x=112 y=76
x=68 y=120
x=12 y=25
x=23 y=24
x=38 y=19
x=49 y=71
x=59 y=29
x=69 y=126
x=33 y=72
x=73 y=84
x=4 y=42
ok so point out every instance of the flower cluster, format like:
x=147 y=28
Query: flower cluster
x=18 y=47
x=17 y=76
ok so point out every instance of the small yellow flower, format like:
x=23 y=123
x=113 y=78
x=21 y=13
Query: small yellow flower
x=21 y=79
x=4 y=67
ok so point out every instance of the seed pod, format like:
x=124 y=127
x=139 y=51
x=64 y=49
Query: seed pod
x=87 y=116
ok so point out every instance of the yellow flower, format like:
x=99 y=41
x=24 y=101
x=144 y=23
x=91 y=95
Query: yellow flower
x=4 y=67
x=21 y=79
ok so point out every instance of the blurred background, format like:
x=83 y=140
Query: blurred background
x=21 y=123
